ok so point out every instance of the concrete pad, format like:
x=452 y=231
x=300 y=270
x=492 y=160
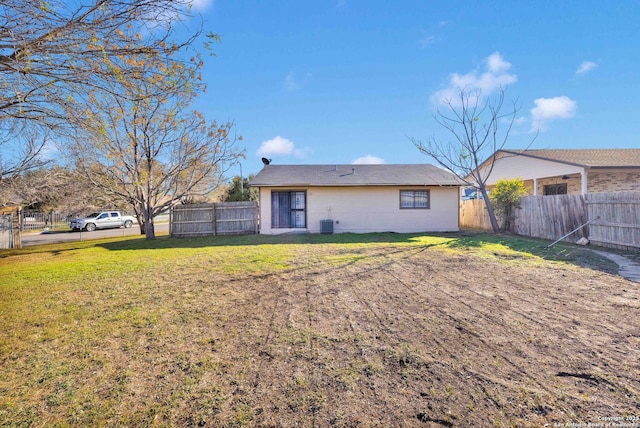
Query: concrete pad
x=627 y=269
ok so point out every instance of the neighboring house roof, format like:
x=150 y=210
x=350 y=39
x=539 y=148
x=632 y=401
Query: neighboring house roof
x=589 y=158
x=354 y=175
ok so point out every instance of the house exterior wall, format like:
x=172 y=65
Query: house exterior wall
x=548 y=172
x=528 y=168
x=368 y=209
x=613 y=181
x=574 y=183
x=598 y=181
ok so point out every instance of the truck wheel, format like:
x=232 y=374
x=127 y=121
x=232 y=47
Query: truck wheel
x=128 y=224
x=90 y=227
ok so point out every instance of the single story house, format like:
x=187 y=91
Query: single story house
x=568 y=171
x=357 y=198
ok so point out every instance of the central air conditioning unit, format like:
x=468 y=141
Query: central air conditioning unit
x=326 y=227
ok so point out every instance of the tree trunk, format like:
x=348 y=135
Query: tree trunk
x=150 y=230
x=492 y=213
x=149 y=227
x=508 y=216
x=142 y=223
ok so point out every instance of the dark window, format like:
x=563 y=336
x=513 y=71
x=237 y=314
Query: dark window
x=288 y=210
x=555 y=189
x=414 y=199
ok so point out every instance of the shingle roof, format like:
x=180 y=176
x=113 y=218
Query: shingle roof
x=353 y=175
x=592 y=158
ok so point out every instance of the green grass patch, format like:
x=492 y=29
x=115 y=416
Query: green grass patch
x=87 y=328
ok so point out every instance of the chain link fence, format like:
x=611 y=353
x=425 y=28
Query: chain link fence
x=7 y=235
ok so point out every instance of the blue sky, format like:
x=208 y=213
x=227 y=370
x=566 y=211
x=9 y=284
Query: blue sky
x=345 y=81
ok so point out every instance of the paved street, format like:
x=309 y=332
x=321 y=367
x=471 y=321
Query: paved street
x=38 y=238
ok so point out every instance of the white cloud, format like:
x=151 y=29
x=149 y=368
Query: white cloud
x=368 y=160
x=276 y=146
x=586 y=67
x=497 y=64
x=280 y=146
x=495 y=76
x=293 y=82
x=201 y=5
x=548 y=109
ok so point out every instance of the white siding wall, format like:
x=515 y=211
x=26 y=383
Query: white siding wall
x=369 y=209
x=529 y=168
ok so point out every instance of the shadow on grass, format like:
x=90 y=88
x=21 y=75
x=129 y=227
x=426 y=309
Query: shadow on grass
x=470 y=241
x=139 y=242
x=466 y=241
x=285 y=239
x=561 y=252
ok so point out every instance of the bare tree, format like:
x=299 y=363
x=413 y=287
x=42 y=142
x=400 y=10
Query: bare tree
x=20 y=148
x=54 y=188
x=475 y=123
x=52 y=53
x=142 y=144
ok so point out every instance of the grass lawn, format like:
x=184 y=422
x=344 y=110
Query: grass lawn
x=316 y=330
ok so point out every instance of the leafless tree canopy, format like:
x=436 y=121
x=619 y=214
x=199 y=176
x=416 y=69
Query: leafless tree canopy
x=53 y=53
x=53 y=188
x=144 y=145
x=479 y=129
x=20 y=147
x=110 y=80
x=50 y=52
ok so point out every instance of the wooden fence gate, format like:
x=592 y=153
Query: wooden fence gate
x=222 y=218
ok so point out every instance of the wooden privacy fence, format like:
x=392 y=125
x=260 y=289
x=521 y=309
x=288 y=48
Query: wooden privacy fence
x=474 y=215
x=616 y=217
x=222 y=218
x=550 y=217
x=618 y=224
x=546 y=217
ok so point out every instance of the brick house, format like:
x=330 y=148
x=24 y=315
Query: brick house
x=569 y=171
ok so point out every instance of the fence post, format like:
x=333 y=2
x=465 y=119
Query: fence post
x=215 y=222
x=17 y=232
x=170 y=221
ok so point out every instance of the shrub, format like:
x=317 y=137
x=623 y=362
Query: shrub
x=505 y=196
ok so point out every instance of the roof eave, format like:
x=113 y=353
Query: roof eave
x=545 y=158
x=354 y=185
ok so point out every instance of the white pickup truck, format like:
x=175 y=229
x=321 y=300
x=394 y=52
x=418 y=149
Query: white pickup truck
x=102 y=220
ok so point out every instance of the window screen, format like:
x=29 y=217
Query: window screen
x=414 y=199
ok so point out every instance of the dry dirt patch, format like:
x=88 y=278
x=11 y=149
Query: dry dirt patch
x=346 y=336
x=396 y=336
